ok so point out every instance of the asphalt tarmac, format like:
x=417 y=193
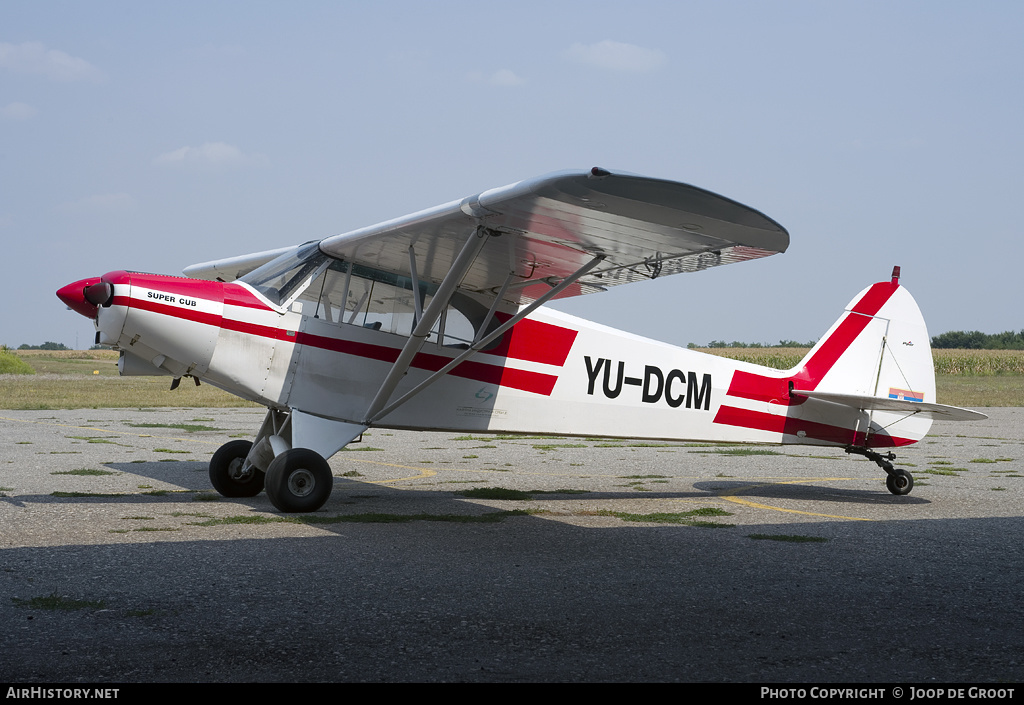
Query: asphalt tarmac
x=119 y=564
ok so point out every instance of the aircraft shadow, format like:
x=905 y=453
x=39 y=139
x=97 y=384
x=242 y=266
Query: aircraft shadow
x=190 y=480
x=805 y=492
x=527 y=600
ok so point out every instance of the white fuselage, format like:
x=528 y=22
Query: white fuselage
x=551 y=373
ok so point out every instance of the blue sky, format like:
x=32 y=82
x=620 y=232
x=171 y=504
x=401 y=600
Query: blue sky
x=150 y=136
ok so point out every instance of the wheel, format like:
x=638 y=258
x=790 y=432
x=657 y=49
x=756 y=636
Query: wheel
x=899 y=482
x=226 y=471
x=299 y=480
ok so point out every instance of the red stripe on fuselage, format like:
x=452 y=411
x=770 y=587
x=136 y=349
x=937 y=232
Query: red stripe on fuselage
x=535 y=341
x=763 y=421
x=531 y=346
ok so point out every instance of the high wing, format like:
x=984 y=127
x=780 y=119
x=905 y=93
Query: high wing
x=544 y=230
x=231 y=268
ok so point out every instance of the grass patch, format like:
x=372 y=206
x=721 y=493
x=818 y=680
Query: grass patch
x=238 y=519
x=53 y=601
x=683 y=518
x=155 y=528
x=740 y=451
x=954 y=472
x=83 y=390
x=494 y=493
x=790 y=538
x=207 y=497
x=187 y=427
x=503 y=493
x=380 y=518
x=640 y=444
x=96 y=439
x=87 y=472
x=365 y=518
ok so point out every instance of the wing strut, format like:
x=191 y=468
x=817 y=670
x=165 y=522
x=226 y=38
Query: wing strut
x=481 y=344
x=438 y=304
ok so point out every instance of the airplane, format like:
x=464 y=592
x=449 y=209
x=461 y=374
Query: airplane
x=437 y=321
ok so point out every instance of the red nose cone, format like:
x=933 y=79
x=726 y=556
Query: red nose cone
x=74 y=296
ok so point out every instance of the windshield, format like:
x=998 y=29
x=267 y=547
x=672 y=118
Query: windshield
x=284 y=278
x=338 y=292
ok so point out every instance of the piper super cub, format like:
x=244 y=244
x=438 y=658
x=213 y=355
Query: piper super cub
x=434 y=321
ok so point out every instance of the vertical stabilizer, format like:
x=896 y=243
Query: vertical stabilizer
x=879 y=348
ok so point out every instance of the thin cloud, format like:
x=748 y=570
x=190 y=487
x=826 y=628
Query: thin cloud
x=616 y=56
x=101 y=203
x=33 y=58
x=502 y=77
x=505 y=77
x=17 y=111
x=210 y=155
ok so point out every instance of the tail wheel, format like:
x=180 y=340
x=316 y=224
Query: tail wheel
x=229 y=474
x=299 y=480
x=899 y=482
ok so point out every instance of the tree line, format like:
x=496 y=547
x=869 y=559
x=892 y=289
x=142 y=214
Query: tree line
x=737 y=344
x=976 y=340
x=956 y=339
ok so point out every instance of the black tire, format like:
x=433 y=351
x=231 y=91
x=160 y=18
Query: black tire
x=900 y=482
x=226 y=471
x=299 y=480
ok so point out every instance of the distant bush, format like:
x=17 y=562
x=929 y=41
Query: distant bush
x=11 y=364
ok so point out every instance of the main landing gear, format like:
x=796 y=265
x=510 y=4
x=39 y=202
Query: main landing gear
x=287 y=459
x=297 y=480
x=897 y=480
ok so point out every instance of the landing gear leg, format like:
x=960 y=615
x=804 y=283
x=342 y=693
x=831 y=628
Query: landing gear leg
x=897 y=480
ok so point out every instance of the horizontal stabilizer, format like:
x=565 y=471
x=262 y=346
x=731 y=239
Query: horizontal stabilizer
x=870 y=403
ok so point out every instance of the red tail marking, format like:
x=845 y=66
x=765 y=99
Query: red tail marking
x=747 y=385
x=758 y=387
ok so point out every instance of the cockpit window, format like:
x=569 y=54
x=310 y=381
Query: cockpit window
x=340 y=292
x=282 y=279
